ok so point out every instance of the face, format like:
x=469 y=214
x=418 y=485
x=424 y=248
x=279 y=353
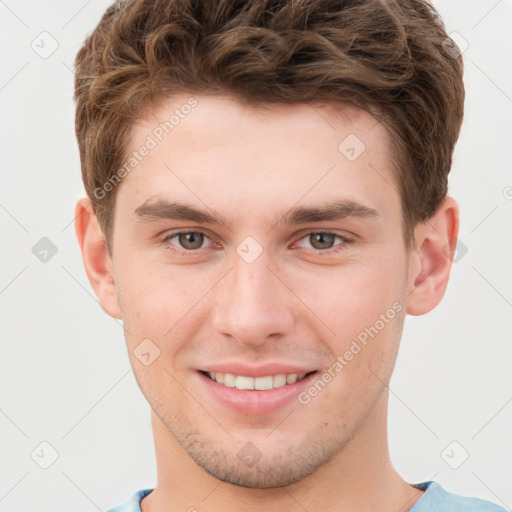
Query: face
x=264 y=246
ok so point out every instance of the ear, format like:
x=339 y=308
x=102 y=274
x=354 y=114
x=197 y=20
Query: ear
x=431 y=261
x=97 y=261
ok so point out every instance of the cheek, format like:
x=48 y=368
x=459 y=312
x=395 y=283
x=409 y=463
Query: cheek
x=349 y=298
x=162 y=303
x=145 y=289
x=156 y=297
x=361 y=307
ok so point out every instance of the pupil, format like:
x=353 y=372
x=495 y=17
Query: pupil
x=191 y=240
x=322 y=240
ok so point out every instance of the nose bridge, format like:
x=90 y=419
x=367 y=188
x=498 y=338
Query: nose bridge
x=251 y=304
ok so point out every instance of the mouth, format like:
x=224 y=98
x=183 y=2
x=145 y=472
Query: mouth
x=255 y=390
x=263 y=383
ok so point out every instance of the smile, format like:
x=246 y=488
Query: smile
x=255 y=383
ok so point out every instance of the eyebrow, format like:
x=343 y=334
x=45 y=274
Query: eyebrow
x=338 y=210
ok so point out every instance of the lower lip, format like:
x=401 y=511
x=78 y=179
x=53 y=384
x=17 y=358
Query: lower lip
x=246 y=401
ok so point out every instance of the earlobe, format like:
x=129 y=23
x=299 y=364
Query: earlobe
x=97 y=262
x=431 y=261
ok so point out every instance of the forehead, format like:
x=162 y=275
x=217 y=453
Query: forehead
x=212 y=148
x=213 y=116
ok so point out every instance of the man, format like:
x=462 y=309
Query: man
x=267 y=201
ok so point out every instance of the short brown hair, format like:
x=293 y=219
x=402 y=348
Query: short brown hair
x=391 y=58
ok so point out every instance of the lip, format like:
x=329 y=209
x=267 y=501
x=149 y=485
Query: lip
x=256 y=371
x=251 y=402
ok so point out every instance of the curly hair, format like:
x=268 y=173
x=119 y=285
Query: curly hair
x=391 y=58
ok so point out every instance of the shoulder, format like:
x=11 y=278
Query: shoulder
x=437 y=499
x=132 y=504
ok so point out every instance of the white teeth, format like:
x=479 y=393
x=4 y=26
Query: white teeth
x=263 y=383
x=279 y=380
x=290 y=379
x=256 y=383
x=242 y=382
x=229 y=380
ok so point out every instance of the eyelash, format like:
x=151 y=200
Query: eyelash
x=340 y=247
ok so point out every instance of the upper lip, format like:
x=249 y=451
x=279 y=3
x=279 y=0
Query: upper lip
x=256 y=371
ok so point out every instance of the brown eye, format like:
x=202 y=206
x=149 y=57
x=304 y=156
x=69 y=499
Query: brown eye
x=191 y=241
x=325 y=242
x=322 y=240
x=187 y=243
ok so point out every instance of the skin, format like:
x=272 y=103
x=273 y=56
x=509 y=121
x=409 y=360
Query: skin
x=291 y=305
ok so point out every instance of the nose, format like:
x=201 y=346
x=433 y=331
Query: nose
x=252 y=303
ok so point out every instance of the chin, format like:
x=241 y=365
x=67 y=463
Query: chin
x=267 y=476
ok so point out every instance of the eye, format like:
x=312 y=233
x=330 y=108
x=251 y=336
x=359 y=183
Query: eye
x=186 y=240
x=324 y=241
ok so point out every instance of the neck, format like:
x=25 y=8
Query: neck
x=359 y=478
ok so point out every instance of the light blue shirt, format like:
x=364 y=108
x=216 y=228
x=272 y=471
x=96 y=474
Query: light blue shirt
x=435 y=499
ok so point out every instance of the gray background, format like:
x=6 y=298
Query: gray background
x=65 y=374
